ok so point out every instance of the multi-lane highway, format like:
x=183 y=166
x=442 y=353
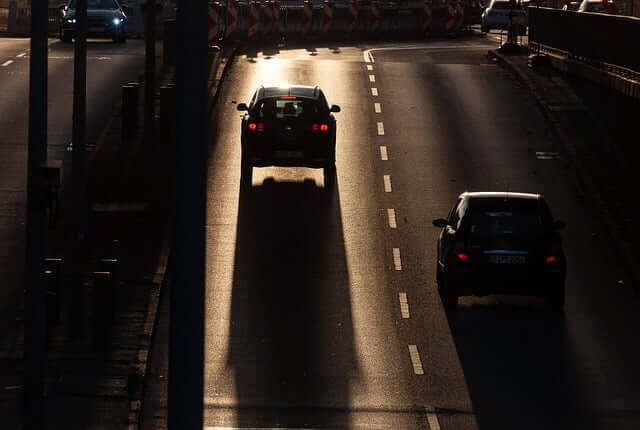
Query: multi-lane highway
x=108 y=67
x=322 y=310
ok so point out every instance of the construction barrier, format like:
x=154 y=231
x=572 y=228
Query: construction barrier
x=374 y=17
x=276 y=26
x=459 y=15
x=427 y=14
x=451 y=17
x=307 y=17
x=352 y=22
x=232 y=19
x=327 y=19
x=214 y=22
x=267 y=18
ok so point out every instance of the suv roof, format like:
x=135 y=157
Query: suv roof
x=289 y=90
x=499 y=194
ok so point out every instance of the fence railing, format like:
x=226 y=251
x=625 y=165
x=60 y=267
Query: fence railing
x=588 y=37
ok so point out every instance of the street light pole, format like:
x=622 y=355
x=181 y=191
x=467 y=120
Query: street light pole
x=79 y=168
x=35 y=289
x=186 y=354
x=150 y=70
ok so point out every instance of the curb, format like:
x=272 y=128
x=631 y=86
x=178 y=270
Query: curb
x=139 y=369
x=622 y=248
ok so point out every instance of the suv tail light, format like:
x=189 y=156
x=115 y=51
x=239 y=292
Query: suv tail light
x=550 y=259
x=320 y=127
x=552 y=255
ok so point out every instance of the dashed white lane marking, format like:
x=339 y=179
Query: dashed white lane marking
x=21 y=55
x=380 y=129
x=397 y=262
x=391 y=214
x=377 y=108
x=383 y=153
x=6 y=63
x=369 y=67
x=404 y=305
x=387 y=183
x=374 y=91
x=432 y=419
x=372 y=78
x=415 y=361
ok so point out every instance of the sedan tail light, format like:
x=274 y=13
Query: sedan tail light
x=259 y=126
x=320 y=127
x=463 y=256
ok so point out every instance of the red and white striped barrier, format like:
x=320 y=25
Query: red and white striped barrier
x=374 y=17
x=352 y=22
x=427 y=14
x=232 y=19
x=451 y=17
x=276 y=29
x=307 y=16
x=327 y=19
x=214 y=22
x=459 y=15
x=254 y=20
x=267 y=18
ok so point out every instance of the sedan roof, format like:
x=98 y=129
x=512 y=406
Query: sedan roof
x=500 y=194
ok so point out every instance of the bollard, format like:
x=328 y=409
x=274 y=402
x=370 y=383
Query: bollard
x=53 y=275
x=167 y=113
x=129 y=112
x=101 y=285
x=110 y=265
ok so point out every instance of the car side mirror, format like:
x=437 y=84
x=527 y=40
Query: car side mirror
x=242 y=106
x=559 y=225
x=334 y=108
x=440 y=222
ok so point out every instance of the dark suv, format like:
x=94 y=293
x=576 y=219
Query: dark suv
x=500 y=243
x=105 y=19
x=289 y=125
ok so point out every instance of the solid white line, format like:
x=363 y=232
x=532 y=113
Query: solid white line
x=369 y=67
x=377 y=108
x=391 y=214
x=21 y=55
x=6 y=63
x=380 y=129
x=432 y=419
x=404 y=305
x=387 y=183
x=397 y=262
x=368 y=58
x=383 y=153
x=415 y=360
x=374 y=91
x=372 y=78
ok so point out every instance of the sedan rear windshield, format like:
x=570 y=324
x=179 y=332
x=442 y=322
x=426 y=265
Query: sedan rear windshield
x=288 y=107
x=96 y=4
x=503 y=5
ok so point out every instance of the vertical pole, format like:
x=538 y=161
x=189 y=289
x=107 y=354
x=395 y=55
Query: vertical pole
x=186 y=357
x=35 y=289
x=79 y=168
x=150 y=71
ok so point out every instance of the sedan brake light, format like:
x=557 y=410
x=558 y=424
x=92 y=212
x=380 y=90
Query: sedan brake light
x=320 y=127
x=256 y=126
x=463 y=256
x=550 y=259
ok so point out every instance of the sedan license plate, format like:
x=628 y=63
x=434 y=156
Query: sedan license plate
x=96 y=29
x=288 y=154
x=507 y=259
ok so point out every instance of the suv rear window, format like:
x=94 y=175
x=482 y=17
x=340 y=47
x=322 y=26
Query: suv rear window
x=518 y=218
x=288 y=107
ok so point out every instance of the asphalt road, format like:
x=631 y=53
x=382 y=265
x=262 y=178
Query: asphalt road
x=108 y=67
x=321 y=304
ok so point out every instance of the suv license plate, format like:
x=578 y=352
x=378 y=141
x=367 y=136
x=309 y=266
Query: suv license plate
x=96 y=29
x=507 y=259
x=288 y=154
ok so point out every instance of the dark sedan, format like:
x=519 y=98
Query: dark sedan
x=500 y=243
x=288 y=125
x=105 y=19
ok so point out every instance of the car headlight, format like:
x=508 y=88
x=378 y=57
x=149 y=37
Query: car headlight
x=71 y=20
x=117 y=21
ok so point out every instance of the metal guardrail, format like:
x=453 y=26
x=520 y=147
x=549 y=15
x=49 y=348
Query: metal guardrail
x=607 y=41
